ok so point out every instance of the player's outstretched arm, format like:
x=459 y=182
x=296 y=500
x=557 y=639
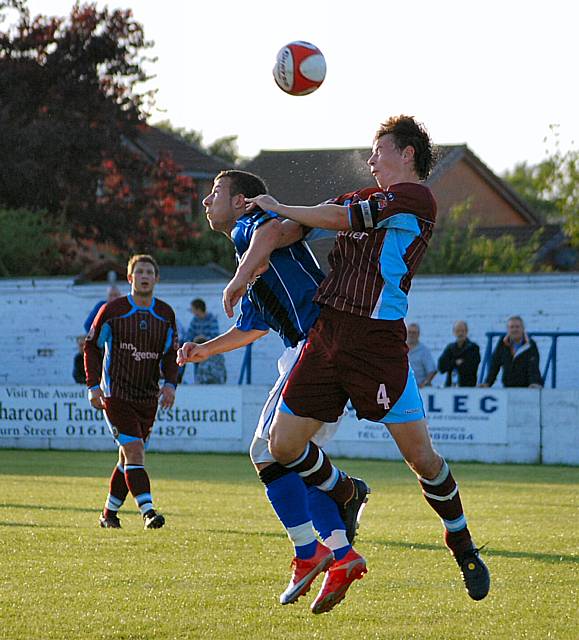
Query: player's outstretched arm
x=232 y=339
x=324 y=216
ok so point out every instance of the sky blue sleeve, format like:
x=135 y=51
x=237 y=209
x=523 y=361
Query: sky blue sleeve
x=250 y=318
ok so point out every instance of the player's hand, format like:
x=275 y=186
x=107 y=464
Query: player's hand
x=190 y=352
x=166 y=397
x=264 y=201
x=97 y=398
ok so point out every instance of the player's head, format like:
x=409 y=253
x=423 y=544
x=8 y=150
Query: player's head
x=226 y=202
x=142 y=274
x=402 y=147
x=515 y=328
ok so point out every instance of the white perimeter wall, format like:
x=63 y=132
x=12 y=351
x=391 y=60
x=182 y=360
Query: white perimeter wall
x=40 y=319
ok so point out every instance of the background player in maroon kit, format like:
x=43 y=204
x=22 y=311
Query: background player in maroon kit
x=357 y=348
x=138 y=336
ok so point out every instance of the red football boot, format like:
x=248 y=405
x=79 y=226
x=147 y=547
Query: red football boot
x=305 y=572
x=338 y=579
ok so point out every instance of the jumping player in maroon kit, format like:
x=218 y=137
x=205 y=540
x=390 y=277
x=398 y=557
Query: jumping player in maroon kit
x=357 y=348
x=139 y=338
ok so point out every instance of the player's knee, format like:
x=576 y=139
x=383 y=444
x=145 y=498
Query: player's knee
x=283 y=450
x=425 y=462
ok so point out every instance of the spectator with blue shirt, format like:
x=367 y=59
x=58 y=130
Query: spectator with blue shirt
x=113 y=292
x=284 y=277
x=203 y=323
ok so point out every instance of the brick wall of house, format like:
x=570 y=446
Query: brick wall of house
x=460 y=182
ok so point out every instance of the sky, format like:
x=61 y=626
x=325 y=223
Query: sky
x=494 y=75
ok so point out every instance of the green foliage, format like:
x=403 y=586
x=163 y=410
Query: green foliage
x=552 y=186
x=225 y=148
x=201 y=249
x=456 y=247
x=190 y=136
x=217 y=568
x=26 y=244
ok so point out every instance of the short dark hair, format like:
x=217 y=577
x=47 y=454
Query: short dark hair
x=407 y=132
x=199 y=304
x=142 y=257
x=248 y=184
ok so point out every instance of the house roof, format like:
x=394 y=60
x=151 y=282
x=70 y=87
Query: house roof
x=310 y=176
x=192 y=160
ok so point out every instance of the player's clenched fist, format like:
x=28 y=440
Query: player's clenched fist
x=190 y=352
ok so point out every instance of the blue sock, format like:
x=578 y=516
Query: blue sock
x=326 y=518
x=289 y=499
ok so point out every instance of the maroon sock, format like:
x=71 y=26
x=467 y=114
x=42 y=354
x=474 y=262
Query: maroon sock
x=139 y=485
x=118 y=491
x=443 y=496
x=316 y=470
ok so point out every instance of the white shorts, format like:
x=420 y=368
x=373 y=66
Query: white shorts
x=259 y=450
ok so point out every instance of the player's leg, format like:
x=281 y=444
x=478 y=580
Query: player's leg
x=441 y=492
x=131 y=424
x=118 y=491
x=291 y=444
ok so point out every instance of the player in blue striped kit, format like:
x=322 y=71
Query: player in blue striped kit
x=281 y=299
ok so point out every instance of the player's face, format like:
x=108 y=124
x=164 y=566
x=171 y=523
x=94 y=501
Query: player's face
x=143 y=278
x=218 y=206
x=386 y=162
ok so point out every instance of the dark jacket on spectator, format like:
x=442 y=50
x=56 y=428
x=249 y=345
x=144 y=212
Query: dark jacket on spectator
x=469 y=354
x=520 y=368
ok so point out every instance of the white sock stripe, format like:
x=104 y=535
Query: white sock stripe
x=121 y=468
x=337 y=539
x=330 y=483
x=300 y=459
x=113 y=503
x=319 y=463
x=302 y=534
x=450 y=496
x=455 y=525
x=130 y=467
x=440 y=478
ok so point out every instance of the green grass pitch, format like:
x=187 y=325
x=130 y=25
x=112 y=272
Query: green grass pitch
x=216 y=570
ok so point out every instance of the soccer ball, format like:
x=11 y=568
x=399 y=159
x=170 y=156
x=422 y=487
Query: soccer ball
x=300 y=68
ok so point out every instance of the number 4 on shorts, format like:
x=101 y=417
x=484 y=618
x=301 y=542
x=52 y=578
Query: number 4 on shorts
x=382 y=397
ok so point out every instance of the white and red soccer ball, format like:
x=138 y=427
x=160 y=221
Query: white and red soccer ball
x=300 y=68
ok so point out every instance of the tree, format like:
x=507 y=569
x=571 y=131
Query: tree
x=27 y=244
x=225 y=148
x=457 y=248
x=69 y=110
x=552 y=186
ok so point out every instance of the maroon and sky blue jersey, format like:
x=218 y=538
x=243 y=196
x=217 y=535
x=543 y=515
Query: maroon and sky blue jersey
x=129 y=348
x=372 y=264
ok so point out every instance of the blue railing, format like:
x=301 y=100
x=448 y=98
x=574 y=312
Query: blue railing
x=551 y=363
x=245 y=371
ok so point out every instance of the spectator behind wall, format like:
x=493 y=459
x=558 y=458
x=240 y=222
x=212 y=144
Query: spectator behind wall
x=460 y=359
x=518 y=356
x=212 y=370
x=203 y=323
x=78 y=372
x=419 y=356
x=113 y=292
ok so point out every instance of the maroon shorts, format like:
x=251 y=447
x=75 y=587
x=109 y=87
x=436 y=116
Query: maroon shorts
x=128 y=420
x=353 y=357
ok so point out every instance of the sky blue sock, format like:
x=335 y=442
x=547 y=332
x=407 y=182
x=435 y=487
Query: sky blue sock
x=289 y=499
x=326 y=517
